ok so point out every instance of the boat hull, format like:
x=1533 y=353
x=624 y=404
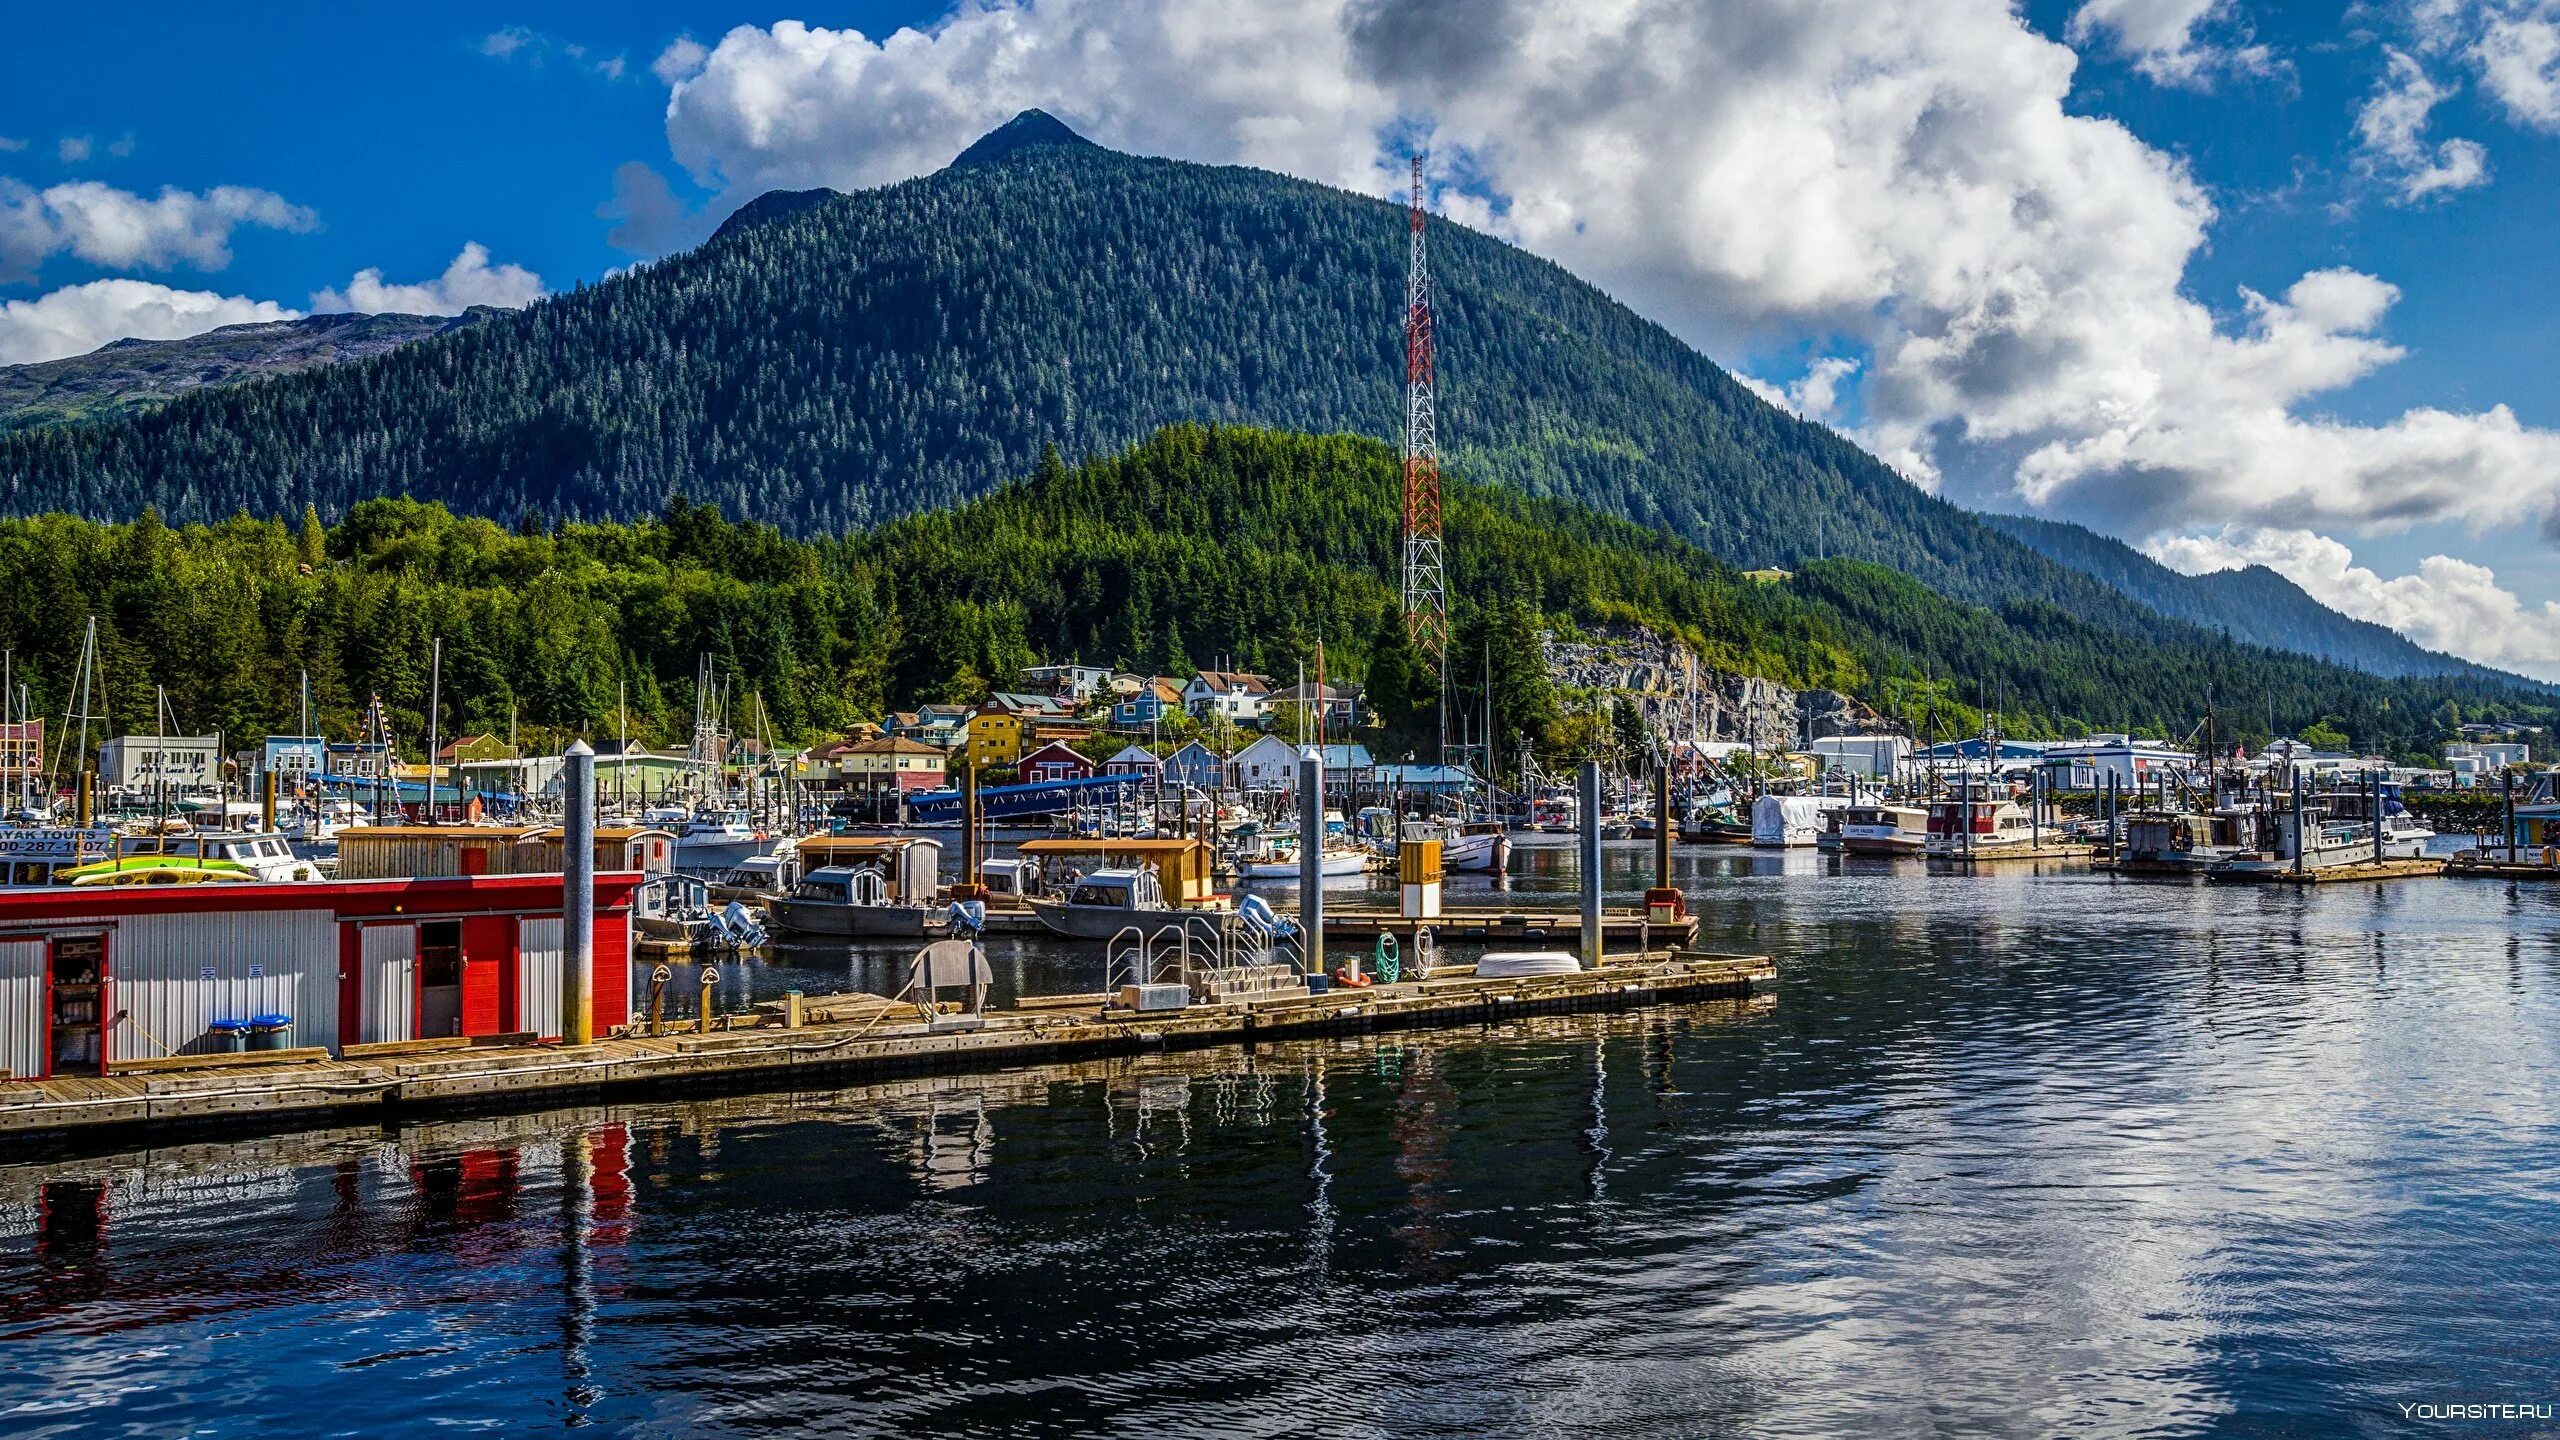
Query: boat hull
x=858 y=922
x=1485 y=854
x=1101 y=922
x=719 y=854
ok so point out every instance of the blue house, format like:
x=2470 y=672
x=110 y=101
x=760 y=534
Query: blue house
x=1195 y=765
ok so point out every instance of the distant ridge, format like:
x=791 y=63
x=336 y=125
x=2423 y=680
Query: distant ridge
x=770 y=206
x=2254 y=604
x=130 y=375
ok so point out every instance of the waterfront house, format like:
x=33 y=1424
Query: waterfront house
x=1239 y=697
x=892 y=762
x=1054 y=761
x=91 y=978
x=1156 y=697
x=471 y=748
x=1195 y=765
x=1340 y=704
x=1074 y=683
x=1010 y=724
x=1271 y=763
x=1135 y=760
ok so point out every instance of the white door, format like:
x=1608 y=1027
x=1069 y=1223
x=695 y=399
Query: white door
x=538 y=976
x=390 y=982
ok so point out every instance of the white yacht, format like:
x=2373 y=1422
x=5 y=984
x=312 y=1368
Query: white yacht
x=1881 y=829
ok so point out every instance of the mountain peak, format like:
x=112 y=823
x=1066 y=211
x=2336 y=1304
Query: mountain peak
x=1032 y=129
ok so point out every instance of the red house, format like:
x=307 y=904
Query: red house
x=1056 y=760
x=89 y=977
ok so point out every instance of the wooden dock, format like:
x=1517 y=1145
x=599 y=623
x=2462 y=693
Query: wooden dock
x=2049 y=854
x=854 y=1038
x=2334 y=874
x=2500 y=869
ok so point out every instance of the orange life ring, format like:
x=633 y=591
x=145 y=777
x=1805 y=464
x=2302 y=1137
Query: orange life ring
x=1349 y=981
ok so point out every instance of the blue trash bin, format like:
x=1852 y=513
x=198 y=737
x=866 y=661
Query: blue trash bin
x=269 y=1032
x=227 y=1037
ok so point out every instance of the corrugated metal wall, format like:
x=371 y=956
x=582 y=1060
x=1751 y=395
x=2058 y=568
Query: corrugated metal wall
x=22 y=1006
x=390 y=982
x=176 y=974
x=538 y=976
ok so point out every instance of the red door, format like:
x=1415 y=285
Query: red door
x=488 y=957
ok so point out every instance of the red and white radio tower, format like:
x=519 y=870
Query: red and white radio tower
x=1426 y=586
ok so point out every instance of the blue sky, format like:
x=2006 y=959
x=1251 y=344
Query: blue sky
x=389 y=138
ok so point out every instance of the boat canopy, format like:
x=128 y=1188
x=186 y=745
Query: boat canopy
x=1181 y=866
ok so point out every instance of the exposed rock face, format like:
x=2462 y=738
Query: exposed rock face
x=1681 y=699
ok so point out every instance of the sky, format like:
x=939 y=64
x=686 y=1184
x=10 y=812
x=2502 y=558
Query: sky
x=2232 y=280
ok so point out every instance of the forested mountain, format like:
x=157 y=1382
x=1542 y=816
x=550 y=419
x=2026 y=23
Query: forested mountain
x=1201 y=544
x=830 y=362
x=129 y=375
x=2254 y=604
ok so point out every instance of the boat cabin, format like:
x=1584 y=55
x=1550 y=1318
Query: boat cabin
x=1133 y=889
x=909 y=866
x=1182 y=867
x=1013 y=877
x=35 y=855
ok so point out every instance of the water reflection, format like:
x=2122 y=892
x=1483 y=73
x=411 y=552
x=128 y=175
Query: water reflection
x=2021 y=1155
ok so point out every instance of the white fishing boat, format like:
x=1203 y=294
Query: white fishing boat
x=1879 y=829
x=713 y=840
x=2312 y=839
x=1990 y=829
x=1477 y=847
x=1269 y=858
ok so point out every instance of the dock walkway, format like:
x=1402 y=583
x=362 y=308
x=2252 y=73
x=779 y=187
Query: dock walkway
x=856 y=1038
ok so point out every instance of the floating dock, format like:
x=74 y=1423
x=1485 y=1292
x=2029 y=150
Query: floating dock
x=2334 y=874
x=854 y=1038
x=2014 y=855
x=2500 y=869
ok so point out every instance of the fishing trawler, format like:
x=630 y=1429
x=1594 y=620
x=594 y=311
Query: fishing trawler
x=2311 y=837
x=2168 y=842
x=1981 y=828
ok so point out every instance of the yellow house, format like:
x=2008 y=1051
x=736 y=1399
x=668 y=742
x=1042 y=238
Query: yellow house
x=995 y=737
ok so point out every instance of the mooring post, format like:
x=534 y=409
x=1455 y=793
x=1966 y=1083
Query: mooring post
x=2373 y=804
x=1311 y=859
x=1591 y=937
x=2301 y=842
x=578 y=894
x=1662 y=825
x=2507 y=817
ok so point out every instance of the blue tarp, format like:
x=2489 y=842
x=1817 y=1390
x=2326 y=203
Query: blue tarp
x=1020 y=802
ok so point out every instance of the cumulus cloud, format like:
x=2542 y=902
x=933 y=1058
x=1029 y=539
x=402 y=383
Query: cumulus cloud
x=2450 y=604
x=1905 y=175
x=2174 y=42
x=119 y=229
x=470 y=280
x=2391 y=131
x=79 y=318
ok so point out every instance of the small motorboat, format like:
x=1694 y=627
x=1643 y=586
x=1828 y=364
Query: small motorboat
x=1106 y=902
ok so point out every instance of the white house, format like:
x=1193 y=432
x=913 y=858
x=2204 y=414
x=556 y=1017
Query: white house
x=1244 y=699
x=1271 y=763
x=1076 y=682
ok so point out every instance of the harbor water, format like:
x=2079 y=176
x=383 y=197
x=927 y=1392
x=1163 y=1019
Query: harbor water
x=2011 y=1154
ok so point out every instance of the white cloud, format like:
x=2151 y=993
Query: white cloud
x=2450 y=604
x=1904 y=175
x=2518 y=53
x=503 y=44
x=119 y=229
x=72 y=149
x=2391 y=136
x=470 y=280
x=679 y=61
x=79 y=318
x=535 y=49
x=10 y=145
x=2174 y=42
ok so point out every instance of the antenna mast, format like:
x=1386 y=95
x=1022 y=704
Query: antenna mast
x=1426 y=587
